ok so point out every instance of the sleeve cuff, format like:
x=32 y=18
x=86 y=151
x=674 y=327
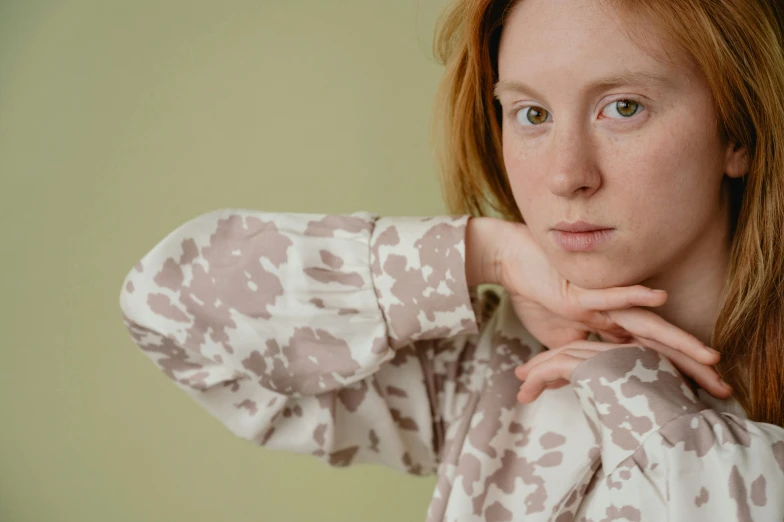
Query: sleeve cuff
x=627 y=394
x=418 y=270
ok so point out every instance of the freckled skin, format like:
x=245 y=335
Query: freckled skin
x=653 y=171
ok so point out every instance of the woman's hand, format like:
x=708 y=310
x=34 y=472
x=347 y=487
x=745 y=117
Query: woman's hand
x=557 y=311
x=553 y=368
x=552 y=309
x=560 y=314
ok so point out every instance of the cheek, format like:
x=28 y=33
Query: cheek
x=523 y=177
x=653 y=190
x=673 y=176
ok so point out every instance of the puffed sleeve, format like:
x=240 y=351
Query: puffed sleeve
x=667 y=456
x=338 y=336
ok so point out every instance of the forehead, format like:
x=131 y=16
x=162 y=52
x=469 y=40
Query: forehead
x=581 y=38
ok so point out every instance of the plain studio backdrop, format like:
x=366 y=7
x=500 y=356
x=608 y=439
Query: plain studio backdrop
x=121 y=120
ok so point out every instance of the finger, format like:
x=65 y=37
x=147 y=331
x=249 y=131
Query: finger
x=575 y=349
x=704 y=375
x=647 y=325
x=617 y=297
x=558 y=368
x=560 y=383
x=602 y=321
x=618 y=338
x=566 y=334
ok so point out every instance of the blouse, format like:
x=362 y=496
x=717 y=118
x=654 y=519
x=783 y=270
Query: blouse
x=355 y=339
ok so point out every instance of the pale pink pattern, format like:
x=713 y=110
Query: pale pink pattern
x=355 y=339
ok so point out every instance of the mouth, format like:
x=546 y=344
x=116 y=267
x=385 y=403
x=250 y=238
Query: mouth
x=580 y=236
x=579 y=226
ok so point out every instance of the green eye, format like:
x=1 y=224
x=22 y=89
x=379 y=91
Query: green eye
x=627 y=108
x=534 y=115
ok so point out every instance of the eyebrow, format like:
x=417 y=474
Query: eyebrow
x=617 y=80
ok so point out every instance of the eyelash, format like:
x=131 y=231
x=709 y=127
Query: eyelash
x=513 y=112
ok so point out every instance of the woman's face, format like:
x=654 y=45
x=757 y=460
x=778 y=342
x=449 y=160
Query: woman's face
x=601 y=131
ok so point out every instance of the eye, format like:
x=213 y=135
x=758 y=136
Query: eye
x=624 y=108
x=533 y=115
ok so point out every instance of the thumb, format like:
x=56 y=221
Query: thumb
x=616 y=298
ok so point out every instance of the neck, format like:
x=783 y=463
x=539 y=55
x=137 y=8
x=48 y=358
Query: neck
x=695 y=282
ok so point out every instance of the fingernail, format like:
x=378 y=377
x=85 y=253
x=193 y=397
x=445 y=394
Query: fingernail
x=714 y=352
x=724 y=385
x=659 y=291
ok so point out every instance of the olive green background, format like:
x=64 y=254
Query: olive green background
x=121 y=120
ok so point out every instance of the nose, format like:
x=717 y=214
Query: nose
x=573 y=168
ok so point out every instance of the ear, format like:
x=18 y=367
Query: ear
x=736 y=161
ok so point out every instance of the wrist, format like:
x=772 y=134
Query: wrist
x=484 y=235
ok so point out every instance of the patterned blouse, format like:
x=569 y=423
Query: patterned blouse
x=355 y=339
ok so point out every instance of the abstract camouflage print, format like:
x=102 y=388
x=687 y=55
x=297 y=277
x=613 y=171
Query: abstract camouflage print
x=355 y=339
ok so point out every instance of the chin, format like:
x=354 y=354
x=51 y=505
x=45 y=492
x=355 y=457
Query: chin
x=599 y=274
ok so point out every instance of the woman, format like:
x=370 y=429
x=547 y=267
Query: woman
x=361 y=338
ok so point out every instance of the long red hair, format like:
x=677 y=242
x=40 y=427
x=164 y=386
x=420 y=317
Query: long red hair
x=739 y=47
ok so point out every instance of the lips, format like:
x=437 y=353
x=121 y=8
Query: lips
x=581 y=236
x=579 y=226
